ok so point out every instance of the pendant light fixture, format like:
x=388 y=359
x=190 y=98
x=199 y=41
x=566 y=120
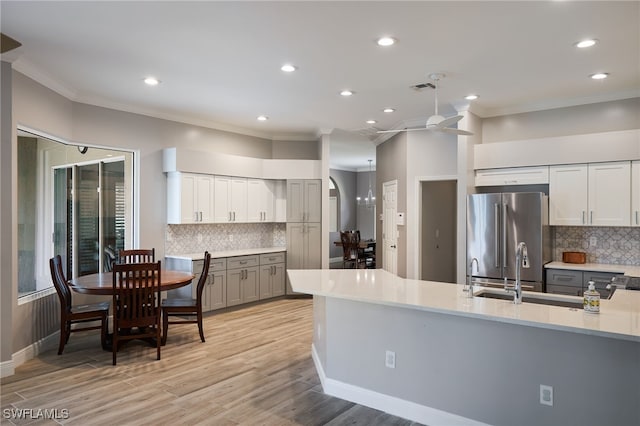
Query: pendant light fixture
x=370 y=199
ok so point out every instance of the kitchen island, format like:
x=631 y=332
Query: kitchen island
x=425 y=351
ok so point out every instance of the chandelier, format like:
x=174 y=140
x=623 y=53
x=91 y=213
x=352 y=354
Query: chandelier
x=370 y=199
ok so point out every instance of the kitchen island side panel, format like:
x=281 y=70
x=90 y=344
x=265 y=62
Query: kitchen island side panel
x=483 y=370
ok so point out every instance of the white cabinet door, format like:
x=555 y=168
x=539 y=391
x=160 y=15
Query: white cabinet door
x=189 y=198
x=635 y=193
x=280 y=200
x=238 y=200
x=221 y=208
x=610 y=194
x=568 y=195
x=230 y=199
x=260 y=200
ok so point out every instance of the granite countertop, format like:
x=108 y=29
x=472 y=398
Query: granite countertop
x=619 y=317
x=228 y=253
x=629 y=270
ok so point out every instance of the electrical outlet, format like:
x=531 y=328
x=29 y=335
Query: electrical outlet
x=546 y=395
x=231 y=237
x=390 y=359
x=199 y=238
x=593 y=241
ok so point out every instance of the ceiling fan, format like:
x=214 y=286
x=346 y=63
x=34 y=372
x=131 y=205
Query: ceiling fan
x=436 y=122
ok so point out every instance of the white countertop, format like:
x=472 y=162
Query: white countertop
x=228 y=253
x=619 y=317
x=629 y=270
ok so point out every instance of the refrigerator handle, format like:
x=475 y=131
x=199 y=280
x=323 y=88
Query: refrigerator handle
x=504 y=237
x=496 y=223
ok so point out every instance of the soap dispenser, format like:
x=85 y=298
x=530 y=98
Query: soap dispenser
x=591 y=301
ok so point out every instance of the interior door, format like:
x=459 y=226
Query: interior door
x=389 y=228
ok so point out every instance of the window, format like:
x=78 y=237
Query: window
x=73 y=201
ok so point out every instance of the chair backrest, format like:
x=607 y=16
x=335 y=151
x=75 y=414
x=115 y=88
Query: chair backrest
x=60 y=282
x=136 y=292
x=203 y=277
x=350 y=242
x=137 y=256
x=109 y=259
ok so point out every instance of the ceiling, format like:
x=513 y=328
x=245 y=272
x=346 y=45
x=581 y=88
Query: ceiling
x=219 y=62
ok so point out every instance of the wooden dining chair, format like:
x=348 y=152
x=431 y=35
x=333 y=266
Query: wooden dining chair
x=186 y=307
x=136 y=296
x=79 y=314
x=352 y=255
x=137 y=256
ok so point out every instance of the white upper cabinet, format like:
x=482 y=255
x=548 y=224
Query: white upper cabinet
x=610 y=194
x=260 y=200
x=304 y=198
x=280 y=200
x=635 y=193
x=189 y=198
x=230 y=204
x=592 y=195
x=513 y=176
x=568 y=194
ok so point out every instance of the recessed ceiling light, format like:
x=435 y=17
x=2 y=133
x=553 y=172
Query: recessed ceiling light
x=471 y=97
x=388 y=110
x=262 y=118
x=151 y=81
x=386 y=41
x=586 y=43
x=371 y=121
x=347 y=93
x=599 y=76
x=288 y=68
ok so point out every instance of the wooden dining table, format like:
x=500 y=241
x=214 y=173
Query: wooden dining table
x=102 y=282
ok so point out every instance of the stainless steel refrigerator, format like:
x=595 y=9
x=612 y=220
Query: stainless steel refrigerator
x=496 y=223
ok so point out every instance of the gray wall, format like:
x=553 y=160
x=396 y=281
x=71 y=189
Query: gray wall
x=391 y=164
x=346 y=183
x=41 y=109
x=300 y=150
x=366 y=216
x=481 y=369
x=582 y=119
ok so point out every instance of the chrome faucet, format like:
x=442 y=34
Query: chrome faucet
x=469 y=287
x=522 y=261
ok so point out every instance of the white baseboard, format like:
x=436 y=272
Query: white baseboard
x=7 y=368
x=389 y=404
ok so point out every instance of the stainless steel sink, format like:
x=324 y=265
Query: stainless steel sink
x=542 y=299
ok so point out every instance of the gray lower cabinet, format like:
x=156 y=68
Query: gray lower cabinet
x=272 y=275
x=214 y=294
x=574 y=283
x=242 y=280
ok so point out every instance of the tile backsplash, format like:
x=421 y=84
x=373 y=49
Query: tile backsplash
x=185 y=239
x=614 y=245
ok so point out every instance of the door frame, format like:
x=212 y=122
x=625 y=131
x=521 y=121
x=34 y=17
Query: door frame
x=384 y=259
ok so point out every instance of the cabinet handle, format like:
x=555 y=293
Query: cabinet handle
x=591 y=217
x=637 y=222
x=243 y=262
x=229 y=216
x=200 y=216
x=195 y=216
x=583 y=212
x=234 y=216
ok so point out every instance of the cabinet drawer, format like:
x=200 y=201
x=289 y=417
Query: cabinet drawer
x=271 y=258
x=564 y=289
x=242 y=262
x=218 y=264
x=564 y=277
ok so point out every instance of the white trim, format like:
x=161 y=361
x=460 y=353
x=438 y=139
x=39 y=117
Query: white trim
x=35 y=295
x=389 y=404
x=7 y=369
x=33 y=350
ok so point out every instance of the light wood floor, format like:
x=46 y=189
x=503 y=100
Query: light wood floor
x=255 y=368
